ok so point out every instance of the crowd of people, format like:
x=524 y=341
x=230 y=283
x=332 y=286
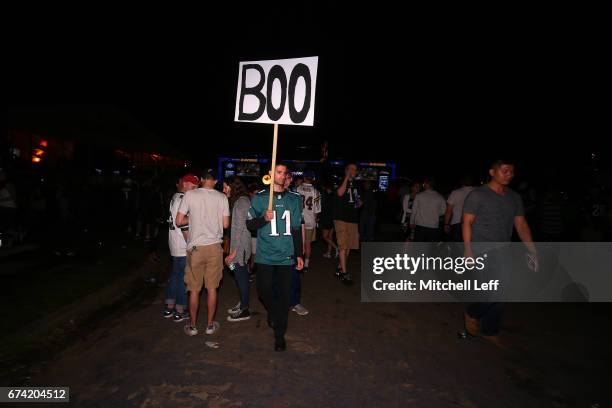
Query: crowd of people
x=271 y=237
x=269 y=232
x=64 y=209
x=267 y=240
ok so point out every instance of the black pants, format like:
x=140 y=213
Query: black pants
x=274 y=287
x=489 y=312
x=424 y=234
x=489 y=315
x=456 y=234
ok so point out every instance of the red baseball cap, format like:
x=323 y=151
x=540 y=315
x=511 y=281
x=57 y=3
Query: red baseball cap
x=190 y=178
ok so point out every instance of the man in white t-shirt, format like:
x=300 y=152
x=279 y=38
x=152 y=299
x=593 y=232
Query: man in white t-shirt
x=206 y=210
x=176 y=296
x=427 y=209
x=312 y=207
x=454 y=209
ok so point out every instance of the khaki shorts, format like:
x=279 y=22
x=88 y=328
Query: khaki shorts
x=311 y=235
x=204 y=267
x=347 y=234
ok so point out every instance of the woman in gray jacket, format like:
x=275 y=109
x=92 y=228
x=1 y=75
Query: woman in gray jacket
x=240 y=248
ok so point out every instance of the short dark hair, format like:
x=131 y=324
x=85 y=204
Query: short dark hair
x=254 y=187
x=209 y=174
x=500 y=162
x=430 y=180
x=467 y=180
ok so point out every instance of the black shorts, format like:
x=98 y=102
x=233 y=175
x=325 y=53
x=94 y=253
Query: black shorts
x=326 y=224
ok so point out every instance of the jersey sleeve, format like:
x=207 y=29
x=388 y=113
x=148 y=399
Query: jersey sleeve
x=256 y=210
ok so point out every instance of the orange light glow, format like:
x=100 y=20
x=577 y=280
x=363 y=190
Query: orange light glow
x=36 y=159
x=39 y=152
x=43 y=143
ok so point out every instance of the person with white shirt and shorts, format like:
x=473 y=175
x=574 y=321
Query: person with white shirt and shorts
x=206 y=210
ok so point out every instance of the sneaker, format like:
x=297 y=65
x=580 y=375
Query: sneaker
x=212 y=329
x=179 y=317
x=300 y=310
x=234 y=309
x=239 y=316
x=190 y=330
x=346 y=278
x=168 y=313
x=472 y=326
x=304 y=269
x=327 y=255
x=338 y=272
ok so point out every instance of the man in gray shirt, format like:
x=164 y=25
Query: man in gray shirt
x=490 y=213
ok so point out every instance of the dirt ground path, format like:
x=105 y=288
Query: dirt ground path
x=344 y=353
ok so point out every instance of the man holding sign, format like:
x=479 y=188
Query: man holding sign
x=279 y=250
x=277 y=92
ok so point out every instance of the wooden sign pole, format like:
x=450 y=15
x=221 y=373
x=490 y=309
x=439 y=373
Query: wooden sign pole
x=273 y=171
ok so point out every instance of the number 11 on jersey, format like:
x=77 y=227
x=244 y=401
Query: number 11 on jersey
x=287 y=217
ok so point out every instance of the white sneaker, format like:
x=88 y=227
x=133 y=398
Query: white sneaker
x=190 y=330
x=212 y=329
x=300 y=310
x=234 y=309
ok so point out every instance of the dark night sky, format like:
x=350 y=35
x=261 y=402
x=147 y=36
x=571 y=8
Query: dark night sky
x=436 y=101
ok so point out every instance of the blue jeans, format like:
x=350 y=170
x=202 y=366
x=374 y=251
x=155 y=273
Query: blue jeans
x=176 y=293
x=295 y=297
x=241 y=273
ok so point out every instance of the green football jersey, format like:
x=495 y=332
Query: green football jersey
x=274 y=240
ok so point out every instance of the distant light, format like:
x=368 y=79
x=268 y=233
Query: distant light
x=43 y=143
x=39 y=152
x=36 y=159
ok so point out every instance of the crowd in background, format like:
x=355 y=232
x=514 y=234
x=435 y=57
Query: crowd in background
x=57 y=206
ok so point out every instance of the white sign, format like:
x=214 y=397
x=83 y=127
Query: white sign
x=277 y=91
